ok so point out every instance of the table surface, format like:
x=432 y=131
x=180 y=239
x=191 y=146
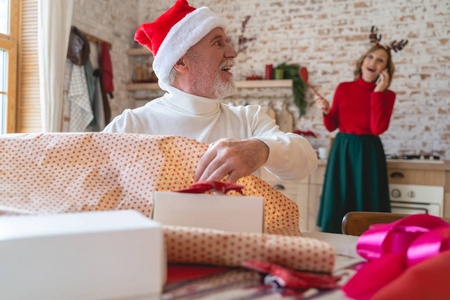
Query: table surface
x=240 y=283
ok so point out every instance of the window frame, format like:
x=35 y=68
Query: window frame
x=10 y=44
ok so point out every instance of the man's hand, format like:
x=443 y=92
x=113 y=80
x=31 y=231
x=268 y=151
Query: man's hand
x=235 y=158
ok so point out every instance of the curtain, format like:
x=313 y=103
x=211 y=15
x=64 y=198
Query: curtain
x=54 y=22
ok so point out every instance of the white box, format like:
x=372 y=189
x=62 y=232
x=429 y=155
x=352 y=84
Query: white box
x=89 y=255
x=230 y=213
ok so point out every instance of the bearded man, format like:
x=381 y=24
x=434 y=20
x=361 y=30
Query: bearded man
x=192 y=60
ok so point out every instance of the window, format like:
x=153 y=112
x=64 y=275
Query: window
x=8 y=64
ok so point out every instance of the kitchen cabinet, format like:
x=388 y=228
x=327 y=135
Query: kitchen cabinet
x=293 y=191
x=416 y=173
x=422 y=173
x=315 y=186
x=307 y=192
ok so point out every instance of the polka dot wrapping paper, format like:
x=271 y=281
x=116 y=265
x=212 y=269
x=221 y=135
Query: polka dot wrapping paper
x=216 y=247
x=50 y=173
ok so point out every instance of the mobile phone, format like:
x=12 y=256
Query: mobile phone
x=379 y=77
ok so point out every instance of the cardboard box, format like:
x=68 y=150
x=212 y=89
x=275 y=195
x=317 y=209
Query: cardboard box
x=88 y=255
x=230 y=213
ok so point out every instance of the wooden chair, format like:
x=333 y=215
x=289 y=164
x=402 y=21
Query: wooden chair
x=357 y=222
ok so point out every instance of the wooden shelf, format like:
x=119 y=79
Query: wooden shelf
x=142 y=86
x=239 y=84
x=264 y=83
x=139 y=51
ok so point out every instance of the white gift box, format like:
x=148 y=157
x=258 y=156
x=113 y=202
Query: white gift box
x=222 y=212
x=88 y=255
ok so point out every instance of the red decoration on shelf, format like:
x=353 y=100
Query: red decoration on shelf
x=305 y=133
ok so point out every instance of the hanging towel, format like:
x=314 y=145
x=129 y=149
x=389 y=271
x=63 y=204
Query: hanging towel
x=106 y=79
x=95 y=98
x=80 y=105
x=97 y=105
x=90 y=80
x=106 y=66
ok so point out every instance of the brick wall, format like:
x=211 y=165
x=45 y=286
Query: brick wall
x=327 y=36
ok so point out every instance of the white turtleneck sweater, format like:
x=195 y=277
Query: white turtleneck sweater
x=291 y=157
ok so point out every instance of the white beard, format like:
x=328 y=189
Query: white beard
x=214 y=86
x=223 y=88
x=217 y=86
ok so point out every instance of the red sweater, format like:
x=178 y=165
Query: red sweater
x=357 y=109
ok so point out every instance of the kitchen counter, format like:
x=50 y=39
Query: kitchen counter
x=419 y=164
x=411 y=164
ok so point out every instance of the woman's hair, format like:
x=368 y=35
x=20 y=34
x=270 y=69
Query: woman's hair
x=390 y=65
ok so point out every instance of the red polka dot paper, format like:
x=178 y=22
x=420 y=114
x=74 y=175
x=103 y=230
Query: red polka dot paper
x=56 y=173
x=216 y=247
x=69 y=172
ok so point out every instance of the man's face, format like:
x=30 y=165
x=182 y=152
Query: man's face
x=209 y=63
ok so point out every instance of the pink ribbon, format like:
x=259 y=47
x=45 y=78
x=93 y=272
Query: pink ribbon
x=397 y=237
x=392 y=248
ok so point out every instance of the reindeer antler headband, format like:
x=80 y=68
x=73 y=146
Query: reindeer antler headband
x=375 y=39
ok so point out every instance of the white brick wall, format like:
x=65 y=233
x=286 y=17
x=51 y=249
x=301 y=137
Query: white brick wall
x=327 y=36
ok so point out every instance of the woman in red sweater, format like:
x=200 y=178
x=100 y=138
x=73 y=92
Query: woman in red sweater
x=356 y=175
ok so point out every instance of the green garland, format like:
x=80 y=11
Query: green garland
x=291 y=71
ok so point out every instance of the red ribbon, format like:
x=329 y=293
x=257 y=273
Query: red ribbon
x=392 y=248
x=288 y=278
x=216 y=186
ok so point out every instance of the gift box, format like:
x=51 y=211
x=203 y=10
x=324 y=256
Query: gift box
x=89 y=255
x=221 y=212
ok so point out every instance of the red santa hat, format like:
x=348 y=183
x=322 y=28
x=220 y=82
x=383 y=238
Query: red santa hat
x=173 y=33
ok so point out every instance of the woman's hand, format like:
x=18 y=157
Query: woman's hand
x=384 y=81
x=322 y=104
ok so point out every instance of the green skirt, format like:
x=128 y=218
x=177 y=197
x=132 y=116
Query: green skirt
x=355 y=180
